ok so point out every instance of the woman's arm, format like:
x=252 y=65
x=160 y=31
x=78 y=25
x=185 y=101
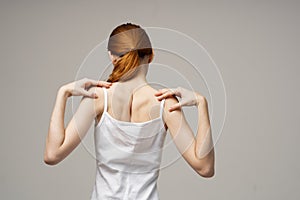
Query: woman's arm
x=199 y=151
x=61 y=141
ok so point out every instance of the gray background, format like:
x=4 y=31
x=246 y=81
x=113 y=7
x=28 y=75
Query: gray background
x=254 y=43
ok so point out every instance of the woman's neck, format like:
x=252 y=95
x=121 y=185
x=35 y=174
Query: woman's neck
x=138 y=76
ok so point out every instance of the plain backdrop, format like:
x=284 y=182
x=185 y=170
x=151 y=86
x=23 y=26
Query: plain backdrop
x=254 y=43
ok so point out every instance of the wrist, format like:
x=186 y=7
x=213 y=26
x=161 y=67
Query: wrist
x=63 y=91
x=200 y=100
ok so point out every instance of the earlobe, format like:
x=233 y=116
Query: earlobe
x=110 y=56
x=113 y=58
x=151 y=58
x=114 y=61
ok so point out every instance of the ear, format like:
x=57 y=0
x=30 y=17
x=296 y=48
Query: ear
x=151 y=57
x=112 y=57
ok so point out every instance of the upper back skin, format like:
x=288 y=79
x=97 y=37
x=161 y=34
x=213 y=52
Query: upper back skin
x=127 y=103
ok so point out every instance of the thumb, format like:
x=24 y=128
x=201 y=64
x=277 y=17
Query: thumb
x=175 y=107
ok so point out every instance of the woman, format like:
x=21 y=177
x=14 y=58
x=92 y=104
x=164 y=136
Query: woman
x=131 y=119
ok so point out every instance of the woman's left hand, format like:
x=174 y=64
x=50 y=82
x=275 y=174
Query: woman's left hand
x=188 y=97
x=80 y=87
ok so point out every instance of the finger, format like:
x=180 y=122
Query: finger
x=175 y=107
x=164 y=96
x=90 y=82
x=162 y=91
x=104 y=83
x=176 y=91
x=98 y=83
x=89 y=94
x=169 y=93
x=158 y=93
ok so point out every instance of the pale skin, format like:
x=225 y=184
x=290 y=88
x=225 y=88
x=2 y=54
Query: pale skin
x=198 y=151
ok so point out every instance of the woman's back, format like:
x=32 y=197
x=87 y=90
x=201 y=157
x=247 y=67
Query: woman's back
x=130 y=103
x=128 y=144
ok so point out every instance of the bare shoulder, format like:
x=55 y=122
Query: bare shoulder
x=98 y=102
x=168 y=101
x=171 y=117
x=149 y=90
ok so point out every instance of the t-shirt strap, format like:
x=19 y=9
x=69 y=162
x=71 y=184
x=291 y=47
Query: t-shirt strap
x=105 y=99
x=161 y=107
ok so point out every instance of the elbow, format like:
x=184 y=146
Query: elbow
x=207 y=172
x=206 y=168
x=50 y=159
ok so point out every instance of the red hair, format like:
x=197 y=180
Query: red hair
x=131 y=43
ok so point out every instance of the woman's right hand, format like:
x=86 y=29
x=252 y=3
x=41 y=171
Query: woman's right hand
x=188 y=98
x=80 y=87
